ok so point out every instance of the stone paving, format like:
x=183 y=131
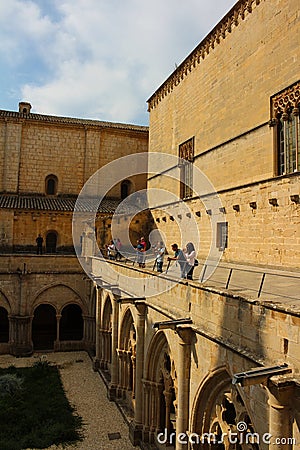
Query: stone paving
x=85 y=391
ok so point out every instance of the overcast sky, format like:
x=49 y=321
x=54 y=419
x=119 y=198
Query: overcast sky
x=98 y=59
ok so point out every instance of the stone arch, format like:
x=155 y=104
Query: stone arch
x=71 y=323
x=217 y=409
x=160 y=389
x=63 y=295
x=127 y=358
x=44 y=327
x=106 y=336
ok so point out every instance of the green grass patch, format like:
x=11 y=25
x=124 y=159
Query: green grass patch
x=34 y=411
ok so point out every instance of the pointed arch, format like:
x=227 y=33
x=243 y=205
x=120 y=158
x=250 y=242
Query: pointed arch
x=106 y=336
x=127 y=358
x=218 y=407
x=63 y=291
x=160 y=388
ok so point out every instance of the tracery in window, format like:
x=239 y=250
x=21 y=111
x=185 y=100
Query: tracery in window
x=285 y=116
x=186 y=159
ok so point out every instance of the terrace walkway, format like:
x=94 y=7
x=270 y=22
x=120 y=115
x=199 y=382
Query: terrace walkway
x=276 y=286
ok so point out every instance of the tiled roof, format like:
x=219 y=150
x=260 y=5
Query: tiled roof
x=40 y=203
x=71 y=121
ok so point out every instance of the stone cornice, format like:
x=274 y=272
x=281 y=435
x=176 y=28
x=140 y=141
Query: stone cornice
x=286 y=99
x=219 y=32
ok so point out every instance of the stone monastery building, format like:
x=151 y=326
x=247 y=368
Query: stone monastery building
x=205 y=363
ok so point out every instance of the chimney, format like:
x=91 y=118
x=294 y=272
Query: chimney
x=24 y=108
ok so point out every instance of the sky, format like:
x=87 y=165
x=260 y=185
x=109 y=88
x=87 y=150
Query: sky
x=97 y=59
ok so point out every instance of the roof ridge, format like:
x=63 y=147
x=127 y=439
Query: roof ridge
x=73 y=120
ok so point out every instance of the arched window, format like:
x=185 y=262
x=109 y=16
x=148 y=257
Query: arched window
x=285 y=109
x=125 y=189
x=51 y=185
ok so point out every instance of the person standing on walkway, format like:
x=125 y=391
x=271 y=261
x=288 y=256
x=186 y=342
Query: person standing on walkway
x=178 y=256
x=160 y=251
x=111 y=250
x=144 y=244
x=139 y=253
x=39 y=244
x=190 y=256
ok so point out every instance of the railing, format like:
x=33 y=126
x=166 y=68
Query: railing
x=260 y=282
x=256 y=282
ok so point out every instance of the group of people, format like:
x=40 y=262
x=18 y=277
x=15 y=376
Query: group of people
x=114 y=249
x=186 y=258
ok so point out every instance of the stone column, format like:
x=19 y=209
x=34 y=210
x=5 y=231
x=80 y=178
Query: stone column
x=20 y=335
x=96 y=360
x=280 y=416
x=135 y=430
x=183 y=377
x=57 y=341
x=112 y=390
x=146 y=414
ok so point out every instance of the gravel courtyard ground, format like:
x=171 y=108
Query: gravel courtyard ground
x=85 y=391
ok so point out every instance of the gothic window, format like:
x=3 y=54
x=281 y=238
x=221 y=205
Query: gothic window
x=285 y=116
x=186 y=159
x=51 y=185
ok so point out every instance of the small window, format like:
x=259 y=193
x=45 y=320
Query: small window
x=222 y=235
x=125 y=189
x=51 y=185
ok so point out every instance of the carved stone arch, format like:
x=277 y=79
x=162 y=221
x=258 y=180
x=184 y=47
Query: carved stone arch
x=68 y=295
x=218 y=408
x=107 y=313
x=158 y=344
x=127 y=359
x=43 y=303
x=126 y=330
x=106 y=336
x=160 y=388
